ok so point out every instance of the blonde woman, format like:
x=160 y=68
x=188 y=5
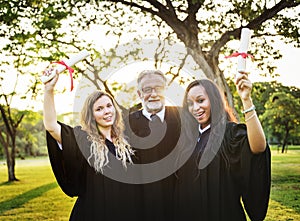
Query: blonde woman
x=79 y=156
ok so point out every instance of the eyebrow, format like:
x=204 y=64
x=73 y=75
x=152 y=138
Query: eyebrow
x=109 y=103
x=98 y=106
x=199 y=96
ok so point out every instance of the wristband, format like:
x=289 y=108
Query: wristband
x=249 y=109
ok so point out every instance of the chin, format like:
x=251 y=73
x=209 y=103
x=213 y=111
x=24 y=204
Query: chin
x=154 y=107
x=108 y=124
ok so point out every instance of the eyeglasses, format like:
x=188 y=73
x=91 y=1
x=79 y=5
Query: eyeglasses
x=157 y=89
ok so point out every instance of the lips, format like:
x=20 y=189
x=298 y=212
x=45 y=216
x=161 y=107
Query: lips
x=153 y=100
x=199 y=115
x=107 y=118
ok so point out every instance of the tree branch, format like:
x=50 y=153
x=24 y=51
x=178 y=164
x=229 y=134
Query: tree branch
x=191 y=20
x=132 y=4
x=19 y=121
x=170 y=6
x=5 y=121
x=215 y=49
x=193 y=7
x=269 y=13
x=254 y=24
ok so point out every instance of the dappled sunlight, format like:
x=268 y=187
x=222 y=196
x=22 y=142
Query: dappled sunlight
x=278 y=212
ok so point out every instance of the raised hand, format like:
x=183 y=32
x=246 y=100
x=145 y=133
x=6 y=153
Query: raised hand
x=49 y=85
x=243 y=86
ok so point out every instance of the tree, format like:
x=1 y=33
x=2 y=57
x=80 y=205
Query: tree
x=206 y=36
x=31 y=135
x=281 y=115
x=11 y=120
x=205 y=28
x=261 y=93
x=275 y=107
x=33 y=32
x=18 y=40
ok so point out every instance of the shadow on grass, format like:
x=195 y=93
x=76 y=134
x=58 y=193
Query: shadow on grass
x=279 y=179
x=21 y=199
x=7 y=183
x=286 y=191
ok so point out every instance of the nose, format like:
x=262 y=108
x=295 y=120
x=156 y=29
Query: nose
x=153 y=93
x=107 y=110
x=196 y=106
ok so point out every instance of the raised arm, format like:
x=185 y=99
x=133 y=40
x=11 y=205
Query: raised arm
x=50 y=119
x=255 y=131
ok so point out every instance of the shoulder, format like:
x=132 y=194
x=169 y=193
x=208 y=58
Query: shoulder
x=234 y=133
x=136 y=114
x=79 y=132
x=236 y=129
x=173 y=108
x=137 y=120
x=76 y=131
x=235 y=138
x=174 y=111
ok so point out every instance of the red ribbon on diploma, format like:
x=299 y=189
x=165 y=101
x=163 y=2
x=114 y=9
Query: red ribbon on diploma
x=243 y=54
x=71 y=70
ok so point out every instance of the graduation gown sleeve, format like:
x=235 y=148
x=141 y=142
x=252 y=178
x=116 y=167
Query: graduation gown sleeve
x=68 y=163
x=254 y=173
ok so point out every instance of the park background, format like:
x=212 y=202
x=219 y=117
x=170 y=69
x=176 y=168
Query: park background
x=188 y=39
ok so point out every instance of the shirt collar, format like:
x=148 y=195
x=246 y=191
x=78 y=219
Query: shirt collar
x=204 y=129
x=160 y=114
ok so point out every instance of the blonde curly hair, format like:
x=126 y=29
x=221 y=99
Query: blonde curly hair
x=98 y=149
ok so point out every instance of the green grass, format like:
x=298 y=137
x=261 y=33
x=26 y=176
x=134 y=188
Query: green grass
x=37 y=196
x=285 y=191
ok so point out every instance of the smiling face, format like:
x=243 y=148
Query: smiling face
x=151 y=92
x=198 y=105
x=104 y=112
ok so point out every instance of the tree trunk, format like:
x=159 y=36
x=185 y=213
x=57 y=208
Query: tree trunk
x=212 y=72
x=10 y=161
x=207 y=63
x=285 y=140
x=11 y=170
x=222 y=83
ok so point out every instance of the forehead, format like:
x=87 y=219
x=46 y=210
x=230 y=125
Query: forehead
x=152 y=80
x=196 y=91
x=103 y=100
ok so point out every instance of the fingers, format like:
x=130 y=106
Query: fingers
x=50 y=77
x=48 y=71
x=242 y=81
x=241 y=75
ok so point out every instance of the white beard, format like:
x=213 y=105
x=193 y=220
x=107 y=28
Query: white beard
x=154 y=106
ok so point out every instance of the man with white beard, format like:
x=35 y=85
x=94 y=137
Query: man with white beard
x=161 y=125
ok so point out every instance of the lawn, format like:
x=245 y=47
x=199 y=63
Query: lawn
x=37 y=196
x=285 y=191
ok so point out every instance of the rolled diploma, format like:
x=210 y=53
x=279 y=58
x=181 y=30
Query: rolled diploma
x=245 y=39
x=70 y=62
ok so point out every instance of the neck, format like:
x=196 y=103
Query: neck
x=106 y=131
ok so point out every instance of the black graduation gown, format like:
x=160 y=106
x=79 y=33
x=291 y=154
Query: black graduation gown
x=157 y=197
x=215 y=192
x=99 y=197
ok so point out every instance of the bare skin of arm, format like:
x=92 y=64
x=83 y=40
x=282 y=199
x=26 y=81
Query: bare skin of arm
x=50 y=119
x=256 y=136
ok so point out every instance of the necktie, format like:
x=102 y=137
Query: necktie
x=199 y=137
x=155 y=119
